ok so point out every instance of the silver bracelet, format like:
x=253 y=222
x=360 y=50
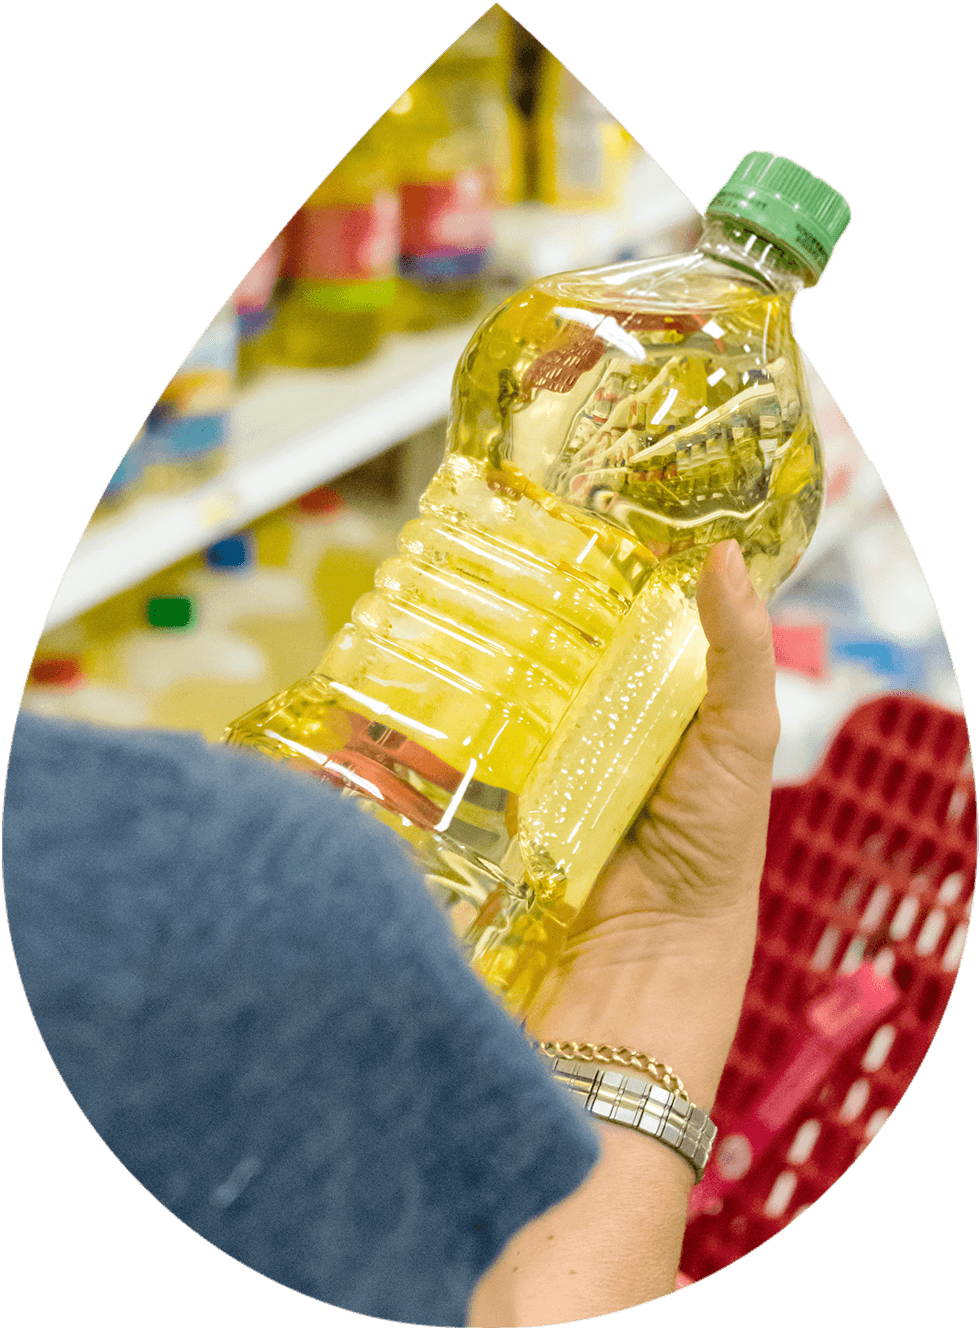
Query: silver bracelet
x=643 y=1106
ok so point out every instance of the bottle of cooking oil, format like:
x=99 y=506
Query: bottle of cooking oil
x=447 y=224
x=339 y=263
x=512 y=688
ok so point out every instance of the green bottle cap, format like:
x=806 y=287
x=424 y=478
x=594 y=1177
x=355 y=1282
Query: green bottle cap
x=782 y=201
x=169 y=611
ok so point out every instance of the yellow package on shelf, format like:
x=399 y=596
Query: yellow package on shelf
x=583 y=155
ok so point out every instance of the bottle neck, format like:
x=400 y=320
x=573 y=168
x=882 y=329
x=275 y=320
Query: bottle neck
x=731 y=242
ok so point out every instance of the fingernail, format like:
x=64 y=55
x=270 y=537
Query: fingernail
x=738 y=573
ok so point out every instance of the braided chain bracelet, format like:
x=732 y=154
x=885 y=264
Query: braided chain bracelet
x=609 y=1056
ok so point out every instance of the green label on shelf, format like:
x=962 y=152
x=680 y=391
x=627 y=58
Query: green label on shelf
x=347 y=297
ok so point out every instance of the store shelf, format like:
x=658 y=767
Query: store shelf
x=291 y=430
x=294 y=429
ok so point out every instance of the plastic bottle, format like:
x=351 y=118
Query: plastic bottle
x=339 y=263
x=582 y=154
x=186 y=430
x=514 y=686
x=252 y=300
x=446 y=220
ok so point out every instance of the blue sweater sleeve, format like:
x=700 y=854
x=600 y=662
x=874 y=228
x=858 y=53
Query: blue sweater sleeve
x=250 y=995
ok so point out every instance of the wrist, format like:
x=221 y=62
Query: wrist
x=670 y=989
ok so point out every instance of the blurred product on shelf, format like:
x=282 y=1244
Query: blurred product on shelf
x=158 y=655
x=71 y=675
x=244 y=612
x=421 y=182
x=858 y=623
x=186 y=428
x=478 y=70
x=337 y=552
x=59 y=687
x=274 y=537
x=527 y=56
x=126 y=481
x=339 y=263
x=254 y=309
x=266 y=604
x=91 y=636
x=582 y=154
x=187 y=671
x=447 y=222
x=75 y=672
x=198 y=642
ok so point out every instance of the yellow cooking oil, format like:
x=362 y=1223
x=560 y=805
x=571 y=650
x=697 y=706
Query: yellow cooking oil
x=509 y=692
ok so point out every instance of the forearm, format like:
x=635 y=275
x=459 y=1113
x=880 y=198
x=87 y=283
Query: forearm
x=616 y=1242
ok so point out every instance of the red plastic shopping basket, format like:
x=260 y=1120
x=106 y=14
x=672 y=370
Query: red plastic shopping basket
x=865 y=900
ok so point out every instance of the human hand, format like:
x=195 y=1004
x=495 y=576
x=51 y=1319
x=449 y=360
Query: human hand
x=657 y=961
x=672 y=916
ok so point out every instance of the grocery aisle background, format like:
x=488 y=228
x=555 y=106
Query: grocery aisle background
x=274 y=472
x=331 y=366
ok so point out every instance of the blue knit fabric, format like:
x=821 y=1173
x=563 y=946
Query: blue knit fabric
x=255 y=1003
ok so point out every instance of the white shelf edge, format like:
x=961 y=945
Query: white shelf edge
x=404 y=388
x=157 y=531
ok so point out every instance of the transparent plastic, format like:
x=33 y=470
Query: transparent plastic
x=512 y=688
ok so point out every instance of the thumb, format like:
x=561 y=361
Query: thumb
x=739 y=710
